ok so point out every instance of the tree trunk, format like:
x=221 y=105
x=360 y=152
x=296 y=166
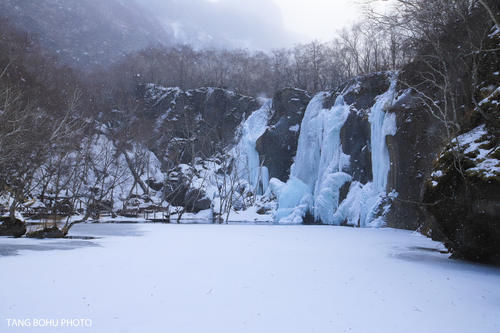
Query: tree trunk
x=137 y=178
x=12 y=210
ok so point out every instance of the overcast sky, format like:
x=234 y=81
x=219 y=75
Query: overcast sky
x=317 y=19
x=254 y=24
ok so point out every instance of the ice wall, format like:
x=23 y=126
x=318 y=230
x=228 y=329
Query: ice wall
x=318 y=171
x=321 y=167
x=382 y=124
x=366 y=204
x=245 y=153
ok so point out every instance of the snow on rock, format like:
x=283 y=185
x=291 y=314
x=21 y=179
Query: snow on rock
x=477 y=146
x=480 y=154
x=158 y=93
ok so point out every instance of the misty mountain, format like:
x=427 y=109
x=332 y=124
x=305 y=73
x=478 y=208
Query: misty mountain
x=86 y=32
x=223 y=23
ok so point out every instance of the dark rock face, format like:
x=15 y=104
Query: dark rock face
x=355 y=138
x=11 y=228
x=465 y=200
x=360 y=93
x=462 y=207
x=467 y=218
x=196 y=200
x=412 y=150
x=179 y=192
x=355 y=134
x=175 y=191
x=278 y=145
x=194 y=123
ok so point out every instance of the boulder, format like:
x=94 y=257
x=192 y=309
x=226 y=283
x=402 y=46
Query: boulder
x=179 y=191
x=15 y=228
x=196 y=200
x=465 y=200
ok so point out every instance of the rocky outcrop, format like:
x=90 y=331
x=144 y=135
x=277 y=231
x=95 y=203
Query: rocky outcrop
x=463 y=195
x=187 y=128
x=449 y=187
x=193 y=123
x=15 y=228
x=196 y=200
x=361 y=91
x=278 y=145
x=182 y=189
x=355 y=138
x=413 y=149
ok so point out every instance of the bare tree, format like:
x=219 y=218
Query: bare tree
x=227 y=181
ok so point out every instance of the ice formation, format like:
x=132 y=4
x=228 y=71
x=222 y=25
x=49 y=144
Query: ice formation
x=318 y=171
x=382 y=124
x=321 y=167
x=249 y=166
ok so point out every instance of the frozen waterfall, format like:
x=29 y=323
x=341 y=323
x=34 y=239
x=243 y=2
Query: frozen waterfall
x=249 y=166
x=382 y=124
x=318 y=171
x=321 y=167
x=366 y=204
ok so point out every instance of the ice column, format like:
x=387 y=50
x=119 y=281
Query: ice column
x=246 y=154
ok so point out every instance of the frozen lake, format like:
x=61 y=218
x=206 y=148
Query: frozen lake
x=244 y=278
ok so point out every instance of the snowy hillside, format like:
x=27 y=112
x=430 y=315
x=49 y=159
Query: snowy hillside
x=86 y=32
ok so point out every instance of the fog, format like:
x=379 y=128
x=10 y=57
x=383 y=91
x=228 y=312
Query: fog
x=255 y=24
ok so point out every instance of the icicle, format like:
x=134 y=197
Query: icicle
x=382 y=125
x=246 y=154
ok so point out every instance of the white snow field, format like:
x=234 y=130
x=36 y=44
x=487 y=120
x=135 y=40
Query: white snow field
x=245 y=278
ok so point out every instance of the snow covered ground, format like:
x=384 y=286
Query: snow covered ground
x=245 y=278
